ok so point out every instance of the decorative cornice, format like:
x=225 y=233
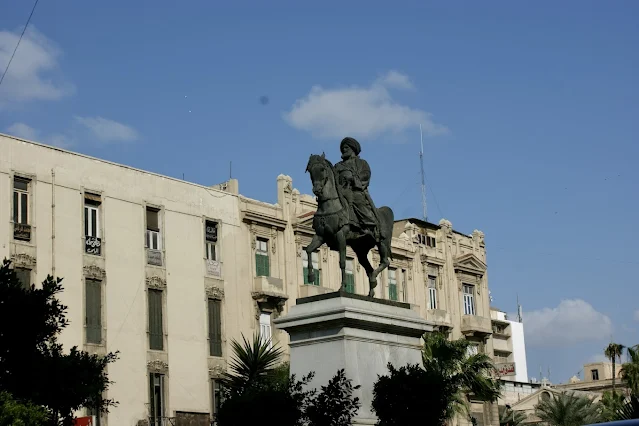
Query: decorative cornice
x=157 y=365
x=215 y=293
x=23 y=259
x=156 y=282
x=432 y=260
x=470 y=264
x=262 y=219
x=94 y=272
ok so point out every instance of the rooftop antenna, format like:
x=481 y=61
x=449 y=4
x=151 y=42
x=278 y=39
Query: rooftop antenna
x=520 y=315
x=421 y=160
x=230 y=170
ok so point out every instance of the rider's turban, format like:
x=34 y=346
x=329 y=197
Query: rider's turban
x=352 y=143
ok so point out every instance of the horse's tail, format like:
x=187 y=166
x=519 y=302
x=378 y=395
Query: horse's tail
x=387 y=220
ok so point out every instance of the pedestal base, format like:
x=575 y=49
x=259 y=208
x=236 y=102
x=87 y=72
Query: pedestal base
x=339 y=330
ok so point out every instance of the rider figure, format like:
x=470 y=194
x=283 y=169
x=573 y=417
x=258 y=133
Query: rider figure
x=354 y=175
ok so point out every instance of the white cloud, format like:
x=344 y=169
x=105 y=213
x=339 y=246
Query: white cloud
x=571 y=322
x=33 y=72
x=360 y=111
x=106 y=130
x=22 y=130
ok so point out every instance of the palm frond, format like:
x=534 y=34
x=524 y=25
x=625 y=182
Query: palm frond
x=251 y=361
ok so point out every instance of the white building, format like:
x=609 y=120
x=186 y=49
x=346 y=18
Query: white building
x=168 y=272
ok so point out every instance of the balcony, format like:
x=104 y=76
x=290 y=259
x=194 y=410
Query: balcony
x=473 y=325
x=501 y=331
x=21 y=231
x=308 y=290
x=501 y=345
x=440 y=318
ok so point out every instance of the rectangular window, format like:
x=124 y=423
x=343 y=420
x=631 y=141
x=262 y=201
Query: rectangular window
x=156 y=329
x=316 y=267
x=404 y=286
x=92 y=241
x=432 y=292
x=594 y=374
x=350 y=276
x=156 y=399
x=210 y=238
x=21 y=200
x=392 y=284
x=265 y=327
x=216 y=394
x=215 y=327
x=153 y=240
x=93 y=311
x=469 y=299
x=24 y=277
x=262 y=265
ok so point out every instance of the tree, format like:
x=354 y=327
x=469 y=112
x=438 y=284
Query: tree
x=568 y=409
x=629 y=409
x=613 y=352
x=334 y=405
x=630 y=370
x=508 y=417
x=65 y=381
x=611 y=403
x=15 y=413
x=438 y=389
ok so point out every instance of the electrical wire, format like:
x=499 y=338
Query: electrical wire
x=18 y=43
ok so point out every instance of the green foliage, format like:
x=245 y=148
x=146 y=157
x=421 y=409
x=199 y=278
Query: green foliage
x=611 y=403
x=567 y=409
x=508 y=417
x=629 y=409
x=438 y=390
x=15 y=413
x=613 y=352
x=31 y=350
x=251 y=362
x=334 y=405
x=630 y=370
x=257 y=381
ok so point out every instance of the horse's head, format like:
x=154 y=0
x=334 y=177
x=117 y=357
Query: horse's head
x=321 y=171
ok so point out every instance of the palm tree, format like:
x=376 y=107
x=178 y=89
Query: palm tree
x=447 y=361
x=252 y=362
x=612 y=352
x=508 y=417
x=611 y=403
x=567 y=409
x=630 y=370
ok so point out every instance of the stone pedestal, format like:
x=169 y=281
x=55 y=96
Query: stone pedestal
x=339 y=330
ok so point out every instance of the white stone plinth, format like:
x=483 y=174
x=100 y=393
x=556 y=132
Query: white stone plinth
x=332 y=331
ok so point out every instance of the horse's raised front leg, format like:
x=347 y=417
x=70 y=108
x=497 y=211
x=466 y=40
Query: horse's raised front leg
x=316 y=243
x=340 y=237
x=362 y=258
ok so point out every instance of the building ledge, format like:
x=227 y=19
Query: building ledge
x=473 y=325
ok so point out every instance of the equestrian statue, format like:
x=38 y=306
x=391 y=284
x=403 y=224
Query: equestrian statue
x=346 y=214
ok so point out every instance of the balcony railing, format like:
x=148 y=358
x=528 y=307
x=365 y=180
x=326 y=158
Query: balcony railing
x=154 y=257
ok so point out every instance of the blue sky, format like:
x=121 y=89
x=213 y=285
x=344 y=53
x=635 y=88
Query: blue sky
x=530 y=115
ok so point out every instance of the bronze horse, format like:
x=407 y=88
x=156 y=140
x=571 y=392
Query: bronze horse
x=331 y=225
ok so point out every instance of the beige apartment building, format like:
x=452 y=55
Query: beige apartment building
x=168 y=272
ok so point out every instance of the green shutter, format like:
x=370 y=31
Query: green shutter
x=93 y=298
x=215 y=328
x=305 y=273
x=392 y=291
x=156 y=334
x=350 y=283
x=261 y=265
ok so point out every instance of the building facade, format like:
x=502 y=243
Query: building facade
x=169 y=272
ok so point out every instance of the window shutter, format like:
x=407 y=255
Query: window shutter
x=215 y=328
x=94 y=311
x=156 y=335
